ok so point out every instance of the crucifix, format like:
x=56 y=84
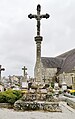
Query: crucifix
x=38 y=40
x=1 y=69
x=24 y=69
x=38 y=17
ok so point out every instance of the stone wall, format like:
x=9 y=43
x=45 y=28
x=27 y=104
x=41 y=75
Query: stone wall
x=48 y=73
x=45 y=73
x=66 y=78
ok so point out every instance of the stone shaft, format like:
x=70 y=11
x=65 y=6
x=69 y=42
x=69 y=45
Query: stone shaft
x=38 y=40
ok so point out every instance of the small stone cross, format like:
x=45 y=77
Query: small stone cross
x=24 y=69
x=38 y=17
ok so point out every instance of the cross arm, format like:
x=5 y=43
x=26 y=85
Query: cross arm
x=2 y=69
x=24 y=69
x=32 y=16
x=45 y=16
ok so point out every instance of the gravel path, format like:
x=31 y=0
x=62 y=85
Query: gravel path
x=67 y=113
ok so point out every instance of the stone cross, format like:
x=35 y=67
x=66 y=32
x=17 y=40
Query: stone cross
x=1 y=69
x=38 y=17
x=24 y=69
x=38 y=40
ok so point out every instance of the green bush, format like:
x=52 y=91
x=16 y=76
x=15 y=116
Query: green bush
x=2 y=98
x=10 y=96
x=17 y=93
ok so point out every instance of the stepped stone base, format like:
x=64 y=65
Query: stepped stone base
x=35 y=105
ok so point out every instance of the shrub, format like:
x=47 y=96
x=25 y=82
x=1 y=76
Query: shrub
x=2 y=98
x=10 y=96
x=17 y=93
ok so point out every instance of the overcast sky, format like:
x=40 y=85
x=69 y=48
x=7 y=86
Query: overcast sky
x=17 y=32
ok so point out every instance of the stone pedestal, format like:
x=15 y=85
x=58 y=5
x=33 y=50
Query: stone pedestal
x=37 y=71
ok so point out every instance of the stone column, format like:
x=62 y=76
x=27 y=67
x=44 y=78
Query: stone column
x=38 y=40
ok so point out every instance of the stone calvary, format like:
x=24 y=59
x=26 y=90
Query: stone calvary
x=39 y=95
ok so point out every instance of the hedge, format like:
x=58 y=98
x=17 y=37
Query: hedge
x=10 y=96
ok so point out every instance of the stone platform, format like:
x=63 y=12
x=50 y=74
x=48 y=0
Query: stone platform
x=37 y=105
